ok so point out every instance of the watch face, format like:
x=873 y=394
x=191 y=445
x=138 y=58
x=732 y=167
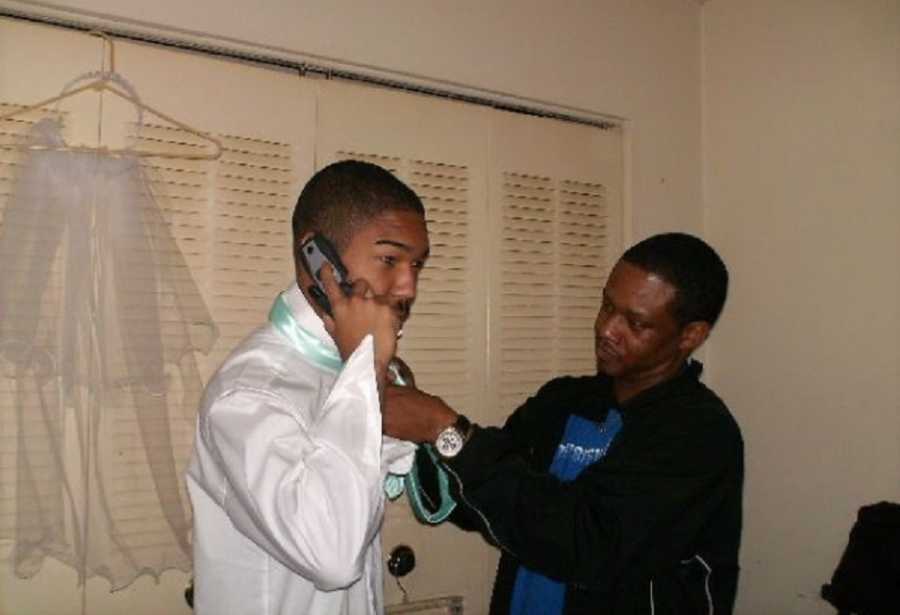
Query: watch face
x=449 y=442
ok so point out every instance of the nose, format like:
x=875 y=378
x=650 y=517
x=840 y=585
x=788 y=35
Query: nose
x=406 y=280
x=607 y=326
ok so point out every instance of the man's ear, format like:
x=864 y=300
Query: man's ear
x=693 y=335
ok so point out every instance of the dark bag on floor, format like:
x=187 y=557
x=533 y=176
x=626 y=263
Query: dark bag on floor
x=867 y=579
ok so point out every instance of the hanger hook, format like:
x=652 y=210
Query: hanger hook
x=112 y=48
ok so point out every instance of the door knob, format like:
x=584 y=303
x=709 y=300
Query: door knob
x=401 y=561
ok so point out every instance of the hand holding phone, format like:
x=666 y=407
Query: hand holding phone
x=359 y=314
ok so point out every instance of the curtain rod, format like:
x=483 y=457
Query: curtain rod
x=305 y=68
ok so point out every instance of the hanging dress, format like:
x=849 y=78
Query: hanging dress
x=100 y=323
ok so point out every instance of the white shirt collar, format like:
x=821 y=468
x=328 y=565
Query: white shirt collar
x=306 y=316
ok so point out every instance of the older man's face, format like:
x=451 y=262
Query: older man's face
x=636 y=334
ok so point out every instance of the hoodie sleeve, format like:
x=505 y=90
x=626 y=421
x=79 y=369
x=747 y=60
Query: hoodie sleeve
x=650 y=491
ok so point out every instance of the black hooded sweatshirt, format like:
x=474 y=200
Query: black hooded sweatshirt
x=651 y=528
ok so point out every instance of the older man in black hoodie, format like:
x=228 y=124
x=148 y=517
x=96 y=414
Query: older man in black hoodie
x=615 y=494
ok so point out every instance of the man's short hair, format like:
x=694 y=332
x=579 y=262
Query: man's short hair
x=345 y=196
x=690 y=265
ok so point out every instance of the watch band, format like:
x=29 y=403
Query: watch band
x=464 y=426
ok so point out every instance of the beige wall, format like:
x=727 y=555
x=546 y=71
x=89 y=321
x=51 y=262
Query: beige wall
x=801 y=159
x=636 y=60
x=801 y=165
x=639 y=61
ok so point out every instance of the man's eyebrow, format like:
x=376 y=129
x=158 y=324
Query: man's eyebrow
x=638 y=314
x=630 y=312
x=397 y=244
x=401 y=246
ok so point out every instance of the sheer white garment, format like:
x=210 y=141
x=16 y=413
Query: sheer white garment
x=99 y=321
x=287 y=480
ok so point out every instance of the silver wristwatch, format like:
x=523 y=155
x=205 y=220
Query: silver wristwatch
x=451 y=439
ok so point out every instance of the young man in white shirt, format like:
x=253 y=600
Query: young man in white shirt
x=287 y=476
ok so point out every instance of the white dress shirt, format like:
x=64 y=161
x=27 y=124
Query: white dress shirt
x=286 y=480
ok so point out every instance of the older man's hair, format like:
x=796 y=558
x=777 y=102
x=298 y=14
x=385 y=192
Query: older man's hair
x=690 y=265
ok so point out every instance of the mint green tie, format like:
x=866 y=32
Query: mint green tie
x=305 y=342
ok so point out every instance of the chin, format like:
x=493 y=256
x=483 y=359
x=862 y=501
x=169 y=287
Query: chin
x=608 y=369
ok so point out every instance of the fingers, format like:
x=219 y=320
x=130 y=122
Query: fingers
x=356 y=312
x=330 y=284
x=361 y=288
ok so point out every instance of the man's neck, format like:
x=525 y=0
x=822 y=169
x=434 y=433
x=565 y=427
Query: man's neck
x=626 y=389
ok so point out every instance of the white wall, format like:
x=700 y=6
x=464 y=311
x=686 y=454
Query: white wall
x=801 y=166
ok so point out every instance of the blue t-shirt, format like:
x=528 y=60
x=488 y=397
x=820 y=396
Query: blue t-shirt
x=583 y=443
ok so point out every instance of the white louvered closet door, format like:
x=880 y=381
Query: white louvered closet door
x=555 y=193
x=440 y=149
x=230 y=218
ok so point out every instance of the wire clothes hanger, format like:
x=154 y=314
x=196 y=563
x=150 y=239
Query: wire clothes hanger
x=113 y=82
